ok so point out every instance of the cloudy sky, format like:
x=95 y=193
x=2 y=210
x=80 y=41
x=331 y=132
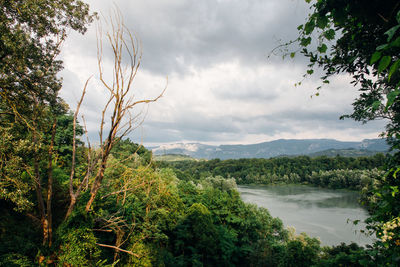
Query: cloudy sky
x=222 y=86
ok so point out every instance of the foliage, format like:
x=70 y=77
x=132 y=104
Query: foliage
x=346 y=255
x=339 y=172
x=146 y=216
x=79 y=248
x=302 y=251
x=19 y=243
x=364 y=41
x=31 y=35
x=172 y=157
x=362 y=180
x=361 y=40
x=126 y=149
x=63 y=139
x=143 y=214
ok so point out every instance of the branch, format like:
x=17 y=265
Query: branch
x=120 y=249
x=124 y=190
x=103 y=230
x=148 y=100
x=383 y=18
x=71 y=189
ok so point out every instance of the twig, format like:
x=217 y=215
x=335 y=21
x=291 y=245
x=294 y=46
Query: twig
x=120 y=249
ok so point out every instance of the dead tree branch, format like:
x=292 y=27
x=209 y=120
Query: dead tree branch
x=125 y=48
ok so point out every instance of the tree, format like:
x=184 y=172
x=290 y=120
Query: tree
x=31 y=35
x=363 y=40
x=120 y=104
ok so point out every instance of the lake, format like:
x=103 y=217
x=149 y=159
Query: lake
x=319 y=212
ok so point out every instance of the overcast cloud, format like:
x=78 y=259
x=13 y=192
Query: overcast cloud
x=222 y=87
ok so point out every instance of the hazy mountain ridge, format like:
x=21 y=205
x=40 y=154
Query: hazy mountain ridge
x=269 y=149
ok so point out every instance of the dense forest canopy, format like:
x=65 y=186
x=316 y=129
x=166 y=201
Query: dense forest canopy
x=66 y=203
x=283 y=169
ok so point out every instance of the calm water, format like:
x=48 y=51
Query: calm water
x=322 y=213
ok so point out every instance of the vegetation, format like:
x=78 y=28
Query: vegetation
x=364 y=41
x=344 y=153
x=31 y=35
x=173 y=157
x=336 y=172
x=66 y=203
x=147 y=216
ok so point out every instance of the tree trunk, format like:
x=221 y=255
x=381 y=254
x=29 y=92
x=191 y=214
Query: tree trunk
x=71 y=206
x=38 y=187
x=96 y=184
x=49 y=215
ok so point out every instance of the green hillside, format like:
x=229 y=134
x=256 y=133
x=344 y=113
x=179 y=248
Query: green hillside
x=173 y=157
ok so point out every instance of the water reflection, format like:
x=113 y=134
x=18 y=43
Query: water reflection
x=322 y=213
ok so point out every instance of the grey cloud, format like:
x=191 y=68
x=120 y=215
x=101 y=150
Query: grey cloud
x=231 y=129
x=181 y=38
x=251 y=91
x=179 y=34
x=295 y=121
x=190 y=121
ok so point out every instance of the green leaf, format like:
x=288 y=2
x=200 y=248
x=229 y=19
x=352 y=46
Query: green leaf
x=391 y=97
x=393 y=68
x=384 y=63
x=375 y=57
x=396 y=43
x=340 y=16
x=329 y=34
x=381 y=47
x=398 y=17
x=322 y=21
x=300 y=27
x=309 y=26
x=305 y=41
x=310 y=72
x=395 y=190
x=376 y=105
x=391 y=32
x=292 y=54
x=322 y=48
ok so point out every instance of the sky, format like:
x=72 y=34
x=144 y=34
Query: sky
x=223 y=84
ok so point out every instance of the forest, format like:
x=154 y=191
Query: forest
x=67 y=202
x=283 y=169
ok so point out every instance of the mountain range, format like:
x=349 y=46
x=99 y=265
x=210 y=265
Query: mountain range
x=281 y=147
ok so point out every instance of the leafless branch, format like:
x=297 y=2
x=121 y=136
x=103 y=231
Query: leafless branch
x=73 y=195
x=120 y=249
x=119 y=103
x=124 y=190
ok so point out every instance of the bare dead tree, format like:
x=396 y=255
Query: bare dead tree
x=120 y=103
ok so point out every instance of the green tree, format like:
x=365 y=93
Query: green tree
x=31 y=34
x=363 y=40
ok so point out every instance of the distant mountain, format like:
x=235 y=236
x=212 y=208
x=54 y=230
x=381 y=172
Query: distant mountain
x=270 y=149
